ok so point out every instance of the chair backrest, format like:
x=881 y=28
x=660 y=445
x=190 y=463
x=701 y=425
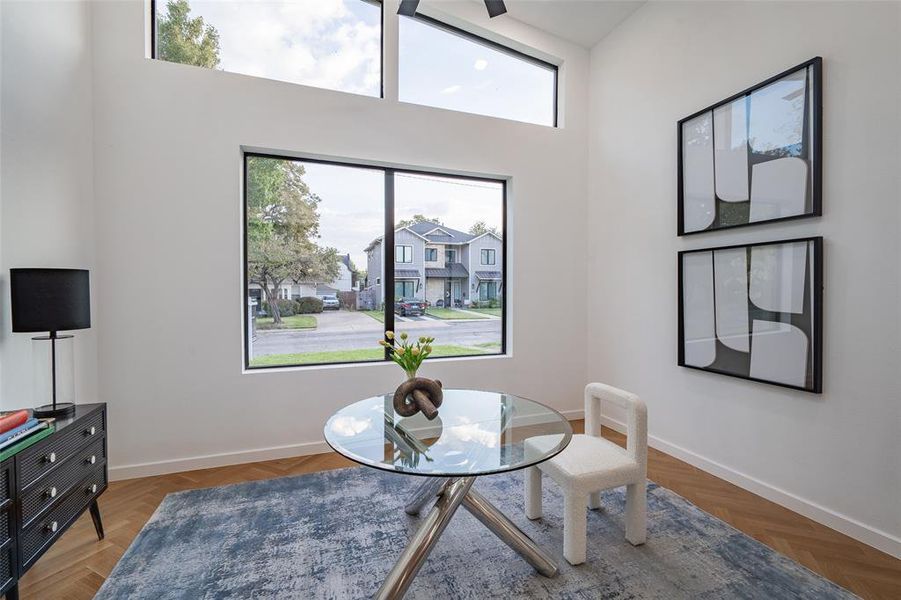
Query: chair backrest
x=637 y=417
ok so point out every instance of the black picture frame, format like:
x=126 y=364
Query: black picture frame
x=813 y=303
x=812 y=131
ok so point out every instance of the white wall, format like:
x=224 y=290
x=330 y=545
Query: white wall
x=46 y=171
x=835 y=457
x=167 y=158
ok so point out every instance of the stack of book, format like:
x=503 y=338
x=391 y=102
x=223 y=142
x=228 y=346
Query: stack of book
x=19 y=429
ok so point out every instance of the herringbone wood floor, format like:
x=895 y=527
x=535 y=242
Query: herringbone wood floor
x=76 y=566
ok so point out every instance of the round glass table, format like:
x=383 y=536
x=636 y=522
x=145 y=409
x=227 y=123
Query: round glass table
x=475 y=433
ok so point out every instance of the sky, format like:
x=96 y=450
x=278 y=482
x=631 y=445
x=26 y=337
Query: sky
x=352 y=206
x=336 y=44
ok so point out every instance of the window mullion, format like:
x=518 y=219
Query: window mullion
x=389 y=254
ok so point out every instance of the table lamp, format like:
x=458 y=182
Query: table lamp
x=51 y=300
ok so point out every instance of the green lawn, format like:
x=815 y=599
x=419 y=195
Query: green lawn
x=450 y=314
x=488 y=311
x=292 y=322
x=312 y=358
x=375 y=314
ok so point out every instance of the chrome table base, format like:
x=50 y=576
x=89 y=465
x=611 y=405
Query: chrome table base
x=451 y=493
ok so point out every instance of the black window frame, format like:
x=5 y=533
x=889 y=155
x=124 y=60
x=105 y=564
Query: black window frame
x=388 y=240
x=492 y=252
x=468 y=35
x=404 y=254
x=429 y=251
x=404 y=282
x=379 y=3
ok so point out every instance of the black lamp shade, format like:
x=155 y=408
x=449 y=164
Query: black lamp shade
x=50 y=299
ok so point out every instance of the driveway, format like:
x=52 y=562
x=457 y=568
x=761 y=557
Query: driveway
x=349 y=330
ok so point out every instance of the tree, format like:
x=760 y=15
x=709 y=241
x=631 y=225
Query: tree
x=186 y=40
x=480 y=228
x=282 y=226
x=417 y=219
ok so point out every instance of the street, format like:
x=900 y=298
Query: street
x=345 y=330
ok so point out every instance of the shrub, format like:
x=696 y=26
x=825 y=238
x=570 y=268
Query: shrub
x=308 y=305
x=287 y=308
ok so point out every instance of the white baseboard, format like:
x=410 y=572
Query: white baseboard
x=177 y=465
x=209 y=461
x=871 y=536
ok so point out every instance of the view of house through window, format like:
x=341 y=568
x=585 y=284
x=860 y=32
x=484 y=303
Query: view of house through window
x=335 y=44
x=450 y=296
x=316 y=260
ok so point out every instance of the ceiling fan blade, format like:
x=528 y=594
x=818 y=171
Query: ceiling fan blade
x=495 y=7
x=408 y=7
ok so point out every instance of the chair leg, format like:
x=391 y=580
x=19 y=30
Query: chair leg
x=575 y=525
x=533 y=493
x=637 y=513
x=594 y=500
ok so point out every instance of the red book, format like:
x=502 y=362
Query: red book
x=12 y=420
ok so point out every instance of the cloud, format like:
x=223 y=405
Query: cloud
x=480 y=64
x=326 y=43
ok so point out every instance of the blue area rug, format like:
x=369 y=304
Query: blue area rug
x=336 y=534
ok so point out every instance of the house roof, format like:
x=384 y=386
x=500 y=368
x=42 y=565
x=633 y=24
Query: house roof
x=489 y=275
x=439 y=233
x=406 y=274
x=433 y=232
x=454 y=270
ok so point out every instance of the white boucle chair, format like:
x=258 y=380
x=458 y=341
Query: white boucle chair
x=591 y=464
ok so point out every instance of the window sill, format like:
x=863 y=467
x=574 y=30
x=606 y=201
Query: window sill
x=373 y=363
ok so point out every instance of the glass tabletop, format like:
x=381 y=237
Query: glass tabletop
x=475 y=433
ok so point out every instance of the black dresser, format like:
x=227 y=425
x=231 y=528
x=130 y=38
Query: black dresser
x=46 y=487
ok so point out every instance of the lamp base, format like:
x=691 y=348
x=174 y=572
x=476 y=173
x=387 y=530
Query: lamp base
x=62 y=409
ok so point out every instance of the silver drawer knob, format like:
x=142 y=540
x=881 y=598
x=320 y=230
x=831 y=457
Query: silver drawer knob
x=93 y=459
x=51 y=458
x=52 y=527
x=51 y=493
x=93 y=488
x=91 y=431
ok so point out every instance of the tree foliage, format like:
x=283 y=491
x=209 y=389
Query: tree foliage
x=186 y=40
x=282 y=229
x=481 y=228
x=418 y=219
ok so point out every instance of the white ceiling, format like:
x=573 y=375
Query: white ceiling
x=584 y=22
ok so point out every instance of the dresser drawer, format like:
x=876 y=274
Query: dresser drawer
x=44 y=531
x=57 y=482
x=6 y=525
x=48 y=453
x=6 y=481
x=7 y=564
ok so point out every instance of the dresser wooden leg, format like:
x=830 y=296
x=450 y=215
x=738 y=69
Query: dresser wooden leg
x=13 y=593
x=95 y=516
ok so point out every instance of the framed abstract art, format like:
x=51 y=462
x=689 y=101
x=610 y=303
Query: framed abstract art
x=755 y=157
x=754 y=311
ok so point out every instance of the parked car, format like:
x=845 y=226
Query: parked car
x=330 y=302
x=407 y=307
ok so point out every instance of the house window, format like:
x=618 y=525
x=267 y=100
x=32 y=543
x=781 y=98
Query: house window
x=488 y=256
x=332 y=45
x=450 y=256
x=446 y=67
x=297 y=243
x=431 y=254
x=488 y=291
x=404 y=289
x=403 y=254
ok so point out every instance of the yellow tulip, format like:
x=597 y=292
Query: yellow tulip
x=415 y=351
x=389 y=335
x=422 y=340
x=404 y=335
x=383 y=343
x=400 y=350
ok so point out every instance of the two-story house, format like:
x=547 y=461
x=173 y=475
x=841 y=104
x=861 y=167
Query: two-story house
x=439 y=264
